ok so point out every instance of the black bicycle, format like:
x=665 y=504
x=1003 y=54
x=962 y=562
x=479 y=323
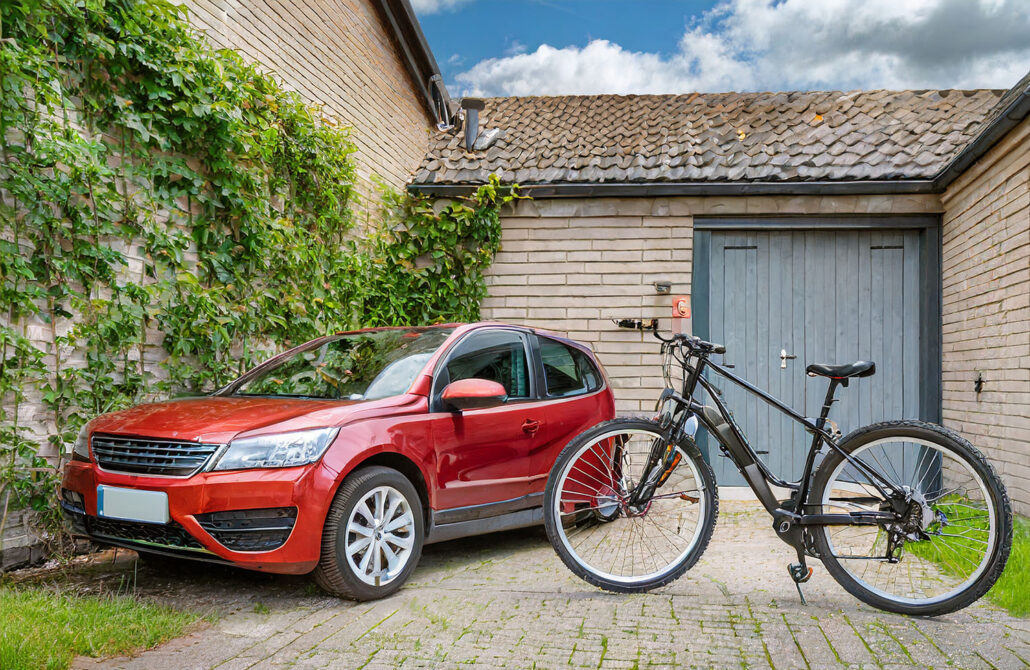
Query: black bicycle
x=907 y=516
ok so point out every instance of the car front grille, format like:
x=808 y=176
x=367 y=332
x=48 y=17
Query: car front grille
x=250 y=529
x=170 y=535
x=145 y=456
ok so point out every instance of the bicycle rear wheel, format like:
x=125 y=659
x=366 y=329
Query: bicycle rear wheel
x=604 y=538
x=953 y=541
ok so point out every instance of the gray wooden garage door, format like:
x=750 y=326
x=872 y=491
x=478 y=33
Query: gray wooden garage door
x=824 y=297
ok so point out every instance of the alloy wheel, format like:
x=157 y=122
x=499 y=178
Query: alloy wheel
x=380 y=535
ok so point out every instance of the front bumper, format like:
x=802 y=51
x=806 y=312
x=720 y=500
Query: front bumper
x=268 y=520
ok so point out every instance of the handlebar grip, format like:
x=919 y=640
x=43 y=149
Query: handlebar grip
x=694 y=341
x=709 y=346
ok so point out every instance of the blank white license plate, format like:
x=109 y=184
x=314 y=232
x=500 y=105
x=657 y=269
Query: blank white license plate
x=132 y=504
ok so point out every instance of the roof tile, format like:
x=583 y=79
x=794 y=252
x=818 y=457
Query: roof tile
x=715 y=136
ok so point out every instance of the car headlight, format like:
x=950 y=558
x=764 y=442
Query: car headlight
x=280 y=450
x=80 y=451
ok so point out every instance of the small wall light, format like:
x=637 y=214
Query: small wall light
x=663 y=287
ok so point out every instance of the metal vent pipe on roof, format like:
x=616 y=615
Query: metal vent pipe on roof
x=472 y=107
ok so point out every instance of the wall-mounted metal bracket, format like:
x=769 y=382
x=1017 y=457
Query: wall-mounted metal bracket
x=637 y=324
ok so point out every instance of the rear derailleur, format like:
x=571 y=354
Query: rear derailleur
x=914 y=525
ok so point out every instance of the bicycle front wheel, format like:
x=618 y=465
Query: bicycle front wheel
x=611 y=540
x=951 y=543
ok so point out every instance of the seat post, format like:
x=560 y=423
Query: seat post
x=802 y=494
x=829 y=400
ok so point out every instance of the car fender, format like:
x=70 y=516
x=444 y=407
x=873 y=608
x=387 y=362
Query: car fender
x=406 y=437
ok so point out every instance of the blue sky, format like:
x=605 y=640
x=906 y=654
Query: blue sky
x=541 y=47
x=475 y=31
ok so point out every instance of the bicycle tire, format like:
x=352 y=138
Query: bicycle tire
x=965 y=453
x=552 y=515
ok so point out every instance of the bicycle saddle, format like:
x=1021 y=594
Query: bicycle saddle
x=856 y=369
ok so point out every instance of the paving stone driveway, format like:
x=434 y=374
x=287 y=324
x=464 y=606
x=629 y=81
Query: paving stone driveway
x=507 y=601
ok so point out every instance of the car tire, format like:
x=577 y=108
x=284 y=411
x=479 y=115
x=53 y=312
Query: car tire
x=347 y=567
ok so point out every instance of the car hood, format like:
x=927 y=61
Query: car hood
x=217 y=419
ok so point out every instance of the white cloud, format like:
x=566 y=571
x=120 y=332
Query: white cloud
x=433 y=6
x=751 y=45
x=515 y=48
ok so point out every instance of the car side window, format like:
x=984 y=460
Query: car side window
x=567 y=371
x=496 y=355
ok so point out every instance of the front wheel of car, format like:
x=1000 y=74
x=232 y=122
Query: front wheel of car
x=373 y=535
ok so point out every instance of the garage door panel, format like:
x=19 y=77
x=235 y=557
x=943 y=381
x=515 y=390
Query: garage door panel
x=825 y=297
x=910 y=368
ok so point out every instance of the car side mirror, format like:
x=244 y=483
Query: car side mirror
x=473 y=394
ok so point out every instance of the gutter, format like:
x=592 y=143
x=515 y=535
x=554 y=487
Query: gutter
x=419 y=60
x=668 y=189
x=1012 y=116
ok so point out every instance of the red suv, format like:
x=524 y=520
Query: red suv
x=344 y=455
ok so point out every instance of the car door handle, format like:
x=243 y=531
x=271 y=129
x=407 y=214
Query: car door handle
x=530 y=426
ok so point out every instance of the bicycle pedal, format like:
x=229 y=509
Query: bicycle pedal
x=800 y=572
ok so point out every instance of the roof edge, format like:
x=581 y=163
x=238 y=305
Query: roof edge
x=1012 y=115
x=418 y=59
x=669 y=189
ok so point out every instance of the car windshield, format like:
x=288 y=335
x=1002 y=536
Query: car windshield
x=361 y=366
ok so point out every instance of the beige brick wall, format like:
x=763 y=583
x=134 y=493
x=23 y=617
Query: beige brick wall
x=337 y=54
x=986 y=311
x=573 y=265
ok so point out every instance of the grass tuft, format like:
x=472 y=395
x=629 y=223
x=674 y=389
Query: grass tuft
x=1012 y=591
x=43 y=629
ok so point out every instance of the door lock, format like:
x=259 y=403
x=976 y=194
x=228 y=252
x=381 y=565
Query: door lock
x=784 y=357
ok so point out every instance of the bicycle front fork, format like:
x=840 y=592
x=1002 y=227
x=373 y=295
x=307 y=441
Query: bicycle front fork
x=662 y=460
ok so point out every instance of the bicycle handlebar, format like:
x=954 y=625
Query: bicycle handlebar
x=693 y=342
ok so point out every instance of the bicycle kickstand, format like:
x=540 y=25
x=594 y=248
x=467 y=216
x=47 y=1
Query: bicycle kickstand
x=800 y=573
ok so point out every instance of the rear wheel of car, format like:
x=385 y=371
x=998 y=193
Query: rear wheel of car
x=373 y=535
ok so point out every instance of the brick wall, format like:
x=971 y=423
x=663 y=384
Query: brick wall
x=338 y=54
x=573 y=265
x=986 y=310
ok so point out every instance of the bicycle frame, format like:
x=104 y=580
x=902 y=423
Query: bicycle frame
x=756 y=473
x=616 y=502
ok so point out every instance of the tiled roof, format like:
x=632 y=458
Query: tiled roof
x=1021 y=88
x=716 y=137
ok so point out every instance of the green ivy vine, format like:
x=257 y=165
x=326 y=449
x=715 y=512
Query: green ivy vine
x=170 y=214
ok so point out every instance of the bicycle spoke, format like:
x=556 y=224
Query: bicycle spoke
x=956 y=545
x=677 y=494
x=599 y=526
